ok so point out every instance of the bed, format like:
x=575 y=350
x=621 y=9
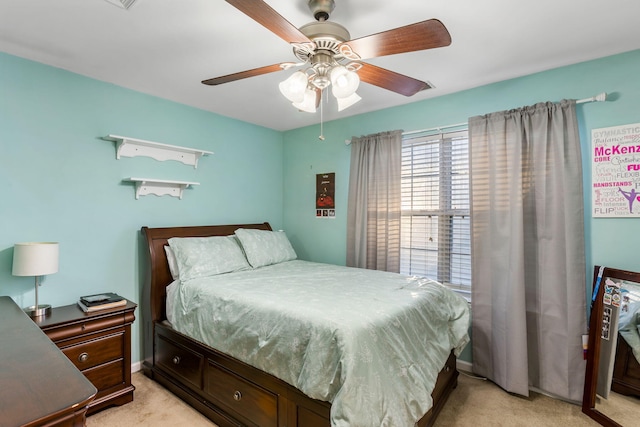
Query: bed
x=234 y=387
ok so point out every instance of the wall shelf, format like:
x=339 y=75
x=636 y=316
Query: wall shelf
x=132 y=147
x=159 y=187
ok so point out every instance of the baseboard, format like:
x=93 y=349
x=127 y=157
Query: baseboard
x=135 y=367
x=461 y=365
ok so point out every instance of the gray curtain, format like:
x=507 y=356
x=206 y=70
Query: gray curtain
x=528 y=289
x=373 y=213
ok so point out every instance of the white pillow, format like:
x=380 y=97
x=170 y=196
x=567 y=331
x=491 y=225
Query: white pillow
x=207 y=256
x=173 y=263
x=264 y=247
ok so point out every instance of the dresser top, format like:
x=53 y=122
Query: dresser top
x=70 y=313
x=33 y=370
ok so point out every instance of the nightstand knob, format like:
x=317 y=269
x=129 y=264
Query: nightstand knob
x=83 y=357
x=176 y=360
x=237 y=395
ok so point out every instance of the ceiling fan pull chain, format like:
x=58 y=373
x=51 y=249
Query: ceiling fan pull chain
x=321 y=137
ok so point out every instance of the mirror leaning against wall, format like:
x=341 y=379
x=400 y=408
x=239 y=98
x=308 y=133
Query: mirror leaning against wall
x=612 y=380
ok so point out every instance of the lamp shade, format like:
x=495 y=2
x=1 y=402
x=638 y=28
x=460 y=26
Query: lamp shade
x=35 y=258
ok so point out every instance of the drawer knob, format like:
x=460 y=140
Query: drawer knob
x=447 y=368
x=83 y=357
x=237 y=395
x=176 y=360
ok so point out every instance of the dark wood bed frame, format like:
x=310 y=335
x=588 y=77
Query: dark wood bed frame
x=224 y=389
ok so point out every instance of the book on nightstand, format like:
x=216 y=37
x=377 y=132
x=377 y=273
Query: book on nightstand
x=102 y=301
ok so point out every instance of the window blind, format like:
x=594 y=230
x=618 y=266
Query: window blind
x=436 y=223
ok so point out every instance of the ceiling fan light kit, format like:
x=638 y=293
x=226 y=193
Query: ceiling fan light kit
x=333 y=59
x=347 y=101
x=293 y=88
x=309 y=102
x=344 y=83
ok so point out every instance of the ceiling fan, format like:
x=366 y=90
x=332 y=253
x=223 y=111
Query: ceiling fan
x=333 y=59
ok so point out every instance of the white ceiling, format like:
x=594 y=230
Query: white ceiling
x=167 y=47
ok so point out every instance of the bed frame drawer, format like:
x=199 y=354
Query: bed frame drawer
x=180 y=361
x=251 y=402
x=446 y=373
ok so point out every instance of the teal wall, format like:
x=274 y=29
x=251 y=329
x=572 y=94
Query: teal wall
x=61 y=182
x=611 y=242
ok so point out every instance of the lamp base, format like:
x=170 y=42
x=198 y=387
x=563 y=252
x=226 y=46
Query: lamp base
x=38 y=311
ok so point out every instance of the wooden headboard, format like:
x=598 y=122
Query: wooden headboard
x=158 y=274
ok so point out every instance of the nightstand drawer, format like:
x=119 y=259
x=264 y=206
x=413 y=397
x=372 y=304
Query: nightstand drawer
x=87 y=326
x=104 y=377
x=99 y=345
x=177 y=359
x=96 y=352
x=241 y=396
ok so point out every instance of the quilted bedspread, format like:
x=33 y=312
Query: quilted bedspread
x=370 y=342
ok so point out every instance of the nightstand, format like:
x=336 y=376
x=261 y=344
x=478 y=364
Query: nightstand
x=99 y=345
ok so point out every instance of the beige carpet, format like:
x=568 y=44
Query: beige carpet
x=481 y=403
x=474 y=403
x=152 y=405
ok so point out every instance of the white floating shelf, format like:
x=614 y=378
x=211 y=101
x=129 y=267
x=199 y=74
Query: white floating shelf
x=159 y=187
x=132 y=147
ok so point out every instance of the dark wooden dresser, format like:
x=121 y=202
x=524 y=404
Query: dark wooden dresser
x=39 y=386
x=99 y=345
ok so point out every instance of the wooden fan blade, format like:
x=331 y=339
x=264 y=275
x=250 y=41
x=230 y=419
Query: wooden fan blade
x=419 y=36
x=242 y=75
x=266 y=16
x=391 y=80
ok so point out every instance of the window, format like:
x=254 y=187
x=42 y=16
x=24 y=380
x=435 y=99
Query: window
x=436 y=223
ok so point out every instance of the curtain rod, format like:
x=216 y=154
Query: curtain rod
x=439 y=128
x=597 y=98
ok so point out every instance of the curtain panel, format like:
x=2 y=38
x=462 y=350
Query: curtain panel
x=529 y=283
x=373 y=213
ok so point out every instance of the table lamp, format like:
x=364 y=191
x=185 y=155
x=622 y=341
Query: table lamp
x=35 y=259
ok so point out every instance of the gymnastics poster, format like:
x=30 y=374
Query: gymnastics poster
x=615 y=171
x=325 y=195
